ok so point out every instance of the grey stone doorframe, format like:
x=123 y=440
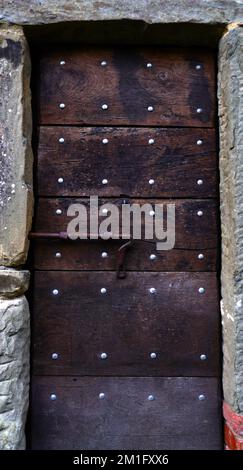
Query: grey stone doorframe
x=183 y=22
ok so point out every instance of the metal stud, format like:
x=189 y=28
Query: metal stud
x=101 y=396
x=201 y=290
x=200 y=256
x=62 y=62
x=201 y=397
x=203 y=357
x=58 y=254
x=200 y=213
x=199 y=142
x=62 y=105
x=58 y=211
x=104 y=181
x=61 y=140
x=104 y=211
x=198 y=67
x=199 y=110
x=103 y=63
x=103 y=355
x=104 y=254
x=199 y=182
x=103 y=290
x=60 y=180
x=151 y=181
x=153 y=355
x=152 y=257
x=150 y=109
x=149 y=65
x=151 y=213
x=104 y=106
x=151 y=141
x=152 y=290
x=53 y=397
x=105 y=141
x=54 y=356
x=150 y=397
x=55 y=291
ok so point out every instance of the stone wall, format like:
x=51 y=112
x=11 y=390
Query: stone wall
x=15 y=146
x=15 y=220
x=150 y=11
x=230 y=86
x=14 y=361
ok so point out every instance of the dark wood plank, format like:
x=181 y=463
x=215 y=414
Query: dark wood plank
x=173 y=86
x=192 y=232
x=127 y=322
x=102 y=255
x=175 y=161
x=125 y=419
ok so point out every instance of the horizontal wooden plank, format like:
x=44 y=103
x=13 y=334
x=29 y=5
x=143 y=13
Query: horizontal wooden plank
x=102 y=255
x=174 y=87
x=192 y=232
x=127 y=322
x=125 y=418
x=175 y=161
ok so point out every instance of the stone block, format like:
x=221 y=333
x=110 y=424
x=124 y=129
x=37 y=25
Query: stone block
x=16 y=201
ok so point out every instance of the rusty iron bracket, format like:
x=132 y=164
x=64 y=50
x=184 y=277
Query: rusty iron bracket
x=121 y=252
x=46 y=235
x=121 y=255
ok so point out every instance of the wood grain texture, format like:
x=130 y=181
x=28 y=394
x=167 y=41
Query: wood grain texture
x=192 y=232
x=172 y=86
x=128 y=323
x=127 y=161
x=125 y=419
x=85 y=255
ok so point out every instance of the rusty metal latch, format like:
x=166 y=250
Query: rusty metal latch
x=121 y=252
x=43 y=235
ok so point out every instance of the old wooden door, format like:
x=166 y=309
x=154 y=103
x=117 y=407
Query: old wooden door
x=130 y=363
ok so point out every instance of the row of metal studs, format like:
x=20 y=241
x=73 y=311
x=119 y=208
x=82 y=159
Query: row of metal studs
x=151 y=290
x=104 y=63
x=199 y=212
x=104 y=355
x=102 y=396
x=105 y=106
x=105 y=141
x=104 y=254
x=105 y=181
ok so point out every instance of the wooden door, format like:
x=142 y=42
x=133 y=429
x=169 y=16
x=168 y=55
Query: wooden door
x=128 y=368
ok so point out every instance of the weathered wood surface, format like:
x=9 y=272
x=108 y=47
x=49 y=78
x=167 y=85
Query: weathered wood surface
x=173 y=87
x=127 y=322
x=193 y=232
x=89 y=255
x=175 y=161
x=125 y=419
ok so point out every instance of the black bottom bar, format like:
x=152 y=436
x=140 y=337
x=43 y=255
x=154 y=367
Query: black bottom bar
x=111 y=459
